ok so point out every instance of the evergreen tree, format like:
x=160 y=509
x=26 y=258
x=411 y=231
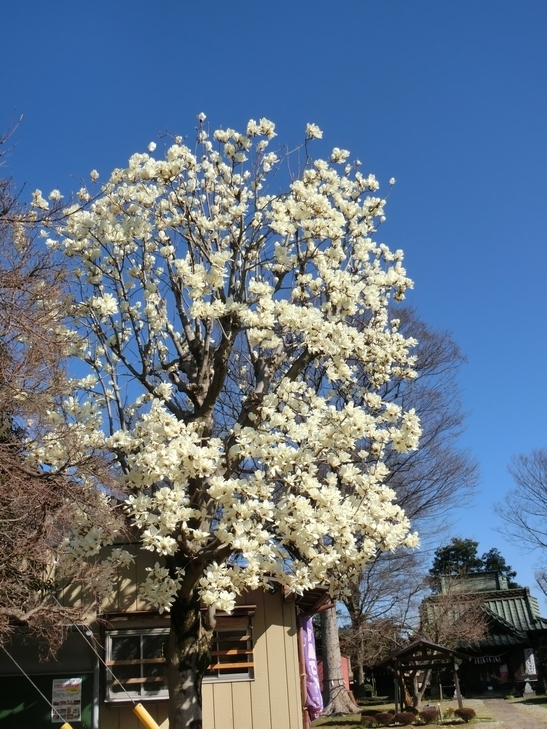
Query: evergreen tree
x=460 y=557
x=493 y=561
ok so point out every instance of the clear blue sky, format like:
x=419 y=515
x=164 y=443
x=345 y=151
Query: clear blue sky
x=450 y=98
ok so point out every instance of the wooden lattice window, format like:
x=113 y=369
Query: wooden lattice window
x=231 y=651
x=135 y=659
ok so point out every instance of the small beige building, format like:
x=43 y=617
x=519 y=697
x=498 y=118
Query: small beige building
x=104 y=669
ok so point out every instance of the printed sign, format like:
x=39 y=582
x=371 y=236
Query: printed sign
x=66 y=700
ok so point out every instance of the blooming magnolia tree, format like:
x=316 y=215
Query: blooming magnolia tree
x=219 y=315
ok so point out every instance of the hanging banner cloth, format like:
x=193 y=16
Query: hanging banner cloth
x=314 y=702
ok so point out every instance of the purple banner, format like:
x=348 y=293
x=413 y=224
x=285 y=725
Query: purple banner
x=314 y=700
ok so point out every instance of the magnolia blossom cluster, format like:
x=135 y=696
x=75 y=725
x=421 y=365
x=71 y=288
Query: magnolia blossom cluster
x=236 y=324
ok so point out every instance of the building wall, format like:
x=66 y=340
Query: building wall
x=270 y=701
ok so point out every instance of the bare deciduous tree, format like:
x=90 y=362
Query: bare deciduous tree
x=524 y=510
x=451 y=619
x=427 y=482
x=37 y=507
x=382 y=610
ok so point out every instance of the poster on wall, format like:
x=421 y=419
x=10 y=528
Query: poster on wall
x=66 y=700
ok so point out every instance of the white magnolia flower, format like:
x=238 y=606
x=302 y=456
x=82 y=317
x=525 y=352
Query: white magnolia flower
x=105 y=305
x=339 y=155
x=38 y=201
x=313 y=132
x=267 y=128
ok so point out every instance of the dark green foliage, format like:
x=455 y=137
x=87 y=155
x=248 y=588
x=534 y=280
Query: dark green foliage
x=457 y=558
x=465 y=714
x=493 y=561
x=460 y=557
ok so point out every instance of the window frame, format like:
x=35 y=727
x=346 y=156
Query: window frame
x=222 y=647
x=127 y=694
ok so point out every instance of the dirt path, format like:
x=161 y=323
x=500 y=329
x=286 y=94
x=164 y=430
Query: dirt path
x=517 y=716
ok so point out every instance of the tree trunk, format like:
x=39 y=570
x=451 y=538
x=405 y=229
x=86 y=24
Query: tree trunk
x=359 y=672
x=187 y=660
x=413 y=694
x=408 y=701
x=336 y=698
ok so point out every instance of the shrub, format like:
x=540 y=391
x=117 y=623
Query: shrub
x=368 y=721
x=405 y=718
x=428 y=716
x=465 y=714
x=383 y=718
x=412 y=710
x=448 y=712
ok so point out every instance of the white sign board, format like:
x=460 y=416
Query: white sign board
x=529 y=662
x=66 y=700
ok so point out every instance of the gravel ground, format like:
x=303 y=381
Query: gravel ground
x=509 y=715
x=484 y=711
x=538 y=712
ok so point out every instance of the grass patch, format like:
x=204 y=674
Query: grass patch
x=540 y=700
x=349 y=721
x=339 y=722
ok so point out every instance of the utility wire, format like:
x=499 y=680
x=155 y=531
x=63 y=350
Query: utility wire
x=32 y=682
x=91 y=644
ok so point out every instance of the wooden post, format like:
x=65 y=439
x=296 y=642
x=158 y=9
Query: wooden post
x=457 y=687
x=396 y=687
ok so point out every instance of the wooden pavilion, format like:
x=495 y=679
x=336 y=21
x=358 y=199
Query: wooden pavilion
x=418 y=660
